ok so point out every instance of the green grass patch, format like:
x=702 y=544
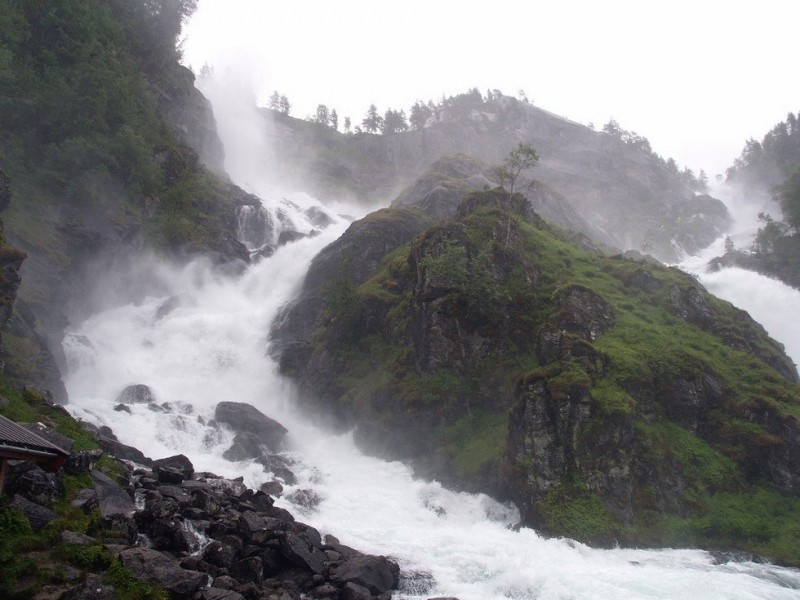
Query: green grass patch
x=475 y=442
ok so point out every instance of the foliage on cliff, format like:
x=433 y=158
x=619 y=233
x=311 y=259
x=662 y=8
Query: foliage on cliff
x=611 y=399
x=81 y=127
x=767 y=168
x=93 y=110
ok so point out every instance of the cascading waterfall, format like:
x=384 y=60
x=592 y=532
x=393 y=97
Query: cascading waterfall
x=769 y=301
x=200 y=337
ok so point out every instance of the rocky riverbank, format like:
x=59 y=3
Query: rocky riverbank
x=116 y=524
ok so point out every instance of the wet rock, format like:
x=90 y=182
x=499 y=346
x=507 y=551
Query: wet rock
x=156 y=567
x=29 y=480
x=288 y=236
x=248 y=570
x=113 y=502
x=122 y=408
x=173 y=469
x=85 y=460
x=215 y=593
x=123 y=451
x=244 y=418
x=353 y=591
x=583 y=312
x=245 y=446
x=273 y=488
x=376 y=573
x=38 y=516
x=85 y=500
x=220 y=555
x=300 y=551
x=305 y=498
x=136 y=394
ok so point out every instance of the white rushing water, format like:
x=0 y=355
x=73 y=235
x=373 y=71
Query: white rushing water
x=769 y=301
x=212 y=347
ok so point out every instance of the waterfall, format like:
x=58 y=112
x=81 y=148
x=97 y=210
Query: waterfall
x=201 y=337
x=211 y=345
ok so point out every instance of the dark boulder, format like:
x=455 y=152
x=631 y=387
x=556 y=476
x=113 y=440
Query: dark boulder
x=31 y=481
x=173 y=469
x=376 y=573
x=245 y=446
x=116 y=507
x=158 y=568
x=38 y=516
x=299 y=550
x=245 y=418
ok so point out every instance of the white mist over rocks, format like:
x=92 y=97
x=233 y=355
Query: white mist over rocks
x=201 y=337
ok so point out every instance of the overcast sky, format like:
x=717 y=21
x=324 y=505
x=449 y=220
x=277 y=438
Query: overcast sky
x=697 y=78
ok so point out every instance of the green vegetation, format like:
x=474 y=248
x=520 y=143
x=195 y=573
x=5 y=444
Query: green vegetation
x=475 y=443
x=81 y=124
x=128 y=587
x=579 y=515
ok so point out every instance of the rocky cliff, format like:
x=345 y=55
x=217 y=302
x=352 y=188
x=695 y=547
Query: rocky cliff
x=611 y=399
x=626 y=196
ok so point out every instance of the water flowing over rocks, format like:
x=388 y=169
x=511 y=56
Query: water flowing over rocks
x=252 y=427
x=201 y=537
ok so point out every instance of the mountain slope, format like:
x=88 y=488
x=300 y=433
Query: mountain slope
x=626 y=195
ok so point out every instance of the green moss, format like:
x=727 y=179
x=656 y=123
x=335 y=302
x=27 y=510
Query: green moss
x=90 y=558
x=128 y=587
x=611 y=398
x=572 y=513
x=475 y=442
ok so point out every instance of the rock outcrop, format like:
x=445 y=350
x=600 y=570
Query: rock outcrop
x=608 y=397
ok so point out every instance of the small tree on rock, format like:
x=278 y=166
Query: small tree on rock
x=522 y=158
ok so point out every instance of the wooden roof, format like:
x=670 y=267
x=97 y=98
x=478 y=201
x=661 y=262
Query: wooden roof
x=18 y=443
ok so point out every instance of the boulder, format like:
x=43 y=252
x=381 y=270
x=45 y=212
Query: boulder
x=376 y=573
x=158 y=568
x=173 y=469
x=245 y=446
x=245 y=418
x=31 y=481
x=38 y=516
x=136 y=394
x=353 y=591
x=298 y=549
x=112 y=500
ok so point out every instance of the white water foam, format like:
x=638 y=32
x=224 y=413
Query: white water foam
x=212 y=347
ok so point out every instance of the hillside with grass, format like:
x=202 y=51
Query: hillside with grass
x=614 y=400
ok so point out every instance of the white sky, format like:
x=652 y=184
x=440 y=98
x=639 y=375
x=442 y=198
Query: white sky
x=696 y=77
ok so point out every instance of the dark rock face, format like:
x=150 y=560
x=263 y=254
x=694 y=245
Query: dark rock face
x=246 y=419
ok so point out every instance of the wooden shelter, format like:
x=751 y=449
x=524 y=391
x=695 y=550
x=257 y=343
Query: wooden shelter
x=18 y=443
